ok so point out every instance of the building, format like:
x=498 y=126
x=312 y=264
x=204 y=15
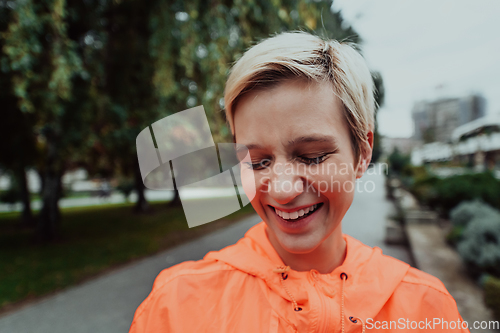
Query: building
x=404 y=145
x=435 y=121
x=476 y=143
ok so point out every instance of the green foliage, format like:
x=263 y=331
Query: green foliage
x=398 y=162
x=193 y=45
x=125 y=187
x=462 y=214
x=465 y=212
x=416 y=172
x=455 y=235
x=492 y=295
x=379 y=101
x=480 y=244
x=96 y=238
x=330 y=24
x=43 y=70
x=16 y=127
x=424 y=189
x=85 y=77
x=443 y=194
x=48 y=76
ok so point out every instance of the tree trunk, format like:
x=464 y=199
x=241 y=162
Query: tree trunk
x=26 y=215
x=176 y=201
x=141 y=205
x=50 y=215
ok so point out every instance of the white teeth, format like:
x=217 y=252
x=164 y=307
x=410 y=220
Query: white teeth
x=296 y=214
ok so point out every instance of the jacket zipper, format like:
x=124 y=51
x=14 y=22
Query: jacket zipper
x=325 y=313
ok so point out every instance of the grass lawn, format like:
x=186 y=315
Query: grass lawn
x=93 y=239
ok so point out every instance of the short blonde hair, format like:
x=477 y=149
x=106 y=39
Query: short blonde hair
x=300 y=55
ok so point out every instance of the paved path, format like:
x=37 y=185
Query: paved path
x=366 y=219
x=431 y=251
x=107 y=304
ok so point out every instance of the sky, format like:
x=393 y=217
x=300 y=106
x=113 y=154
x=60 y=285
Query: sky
x=428 y=49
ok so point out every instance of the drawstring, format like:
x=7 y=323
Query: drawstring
x=283 y=276
x=343 y=276
x=282 y=270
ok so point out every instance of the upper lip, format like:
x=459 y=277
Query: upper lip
x=294 y=209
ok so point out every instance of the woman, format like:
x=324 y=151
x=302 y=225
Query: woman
x=304 y=108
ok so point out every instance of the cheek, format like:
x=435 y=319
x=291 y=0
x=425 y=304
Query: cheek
x=333 y=180
x=248 y=182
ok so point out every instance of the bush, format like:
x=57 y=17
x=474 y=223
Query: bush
x=445 y=194
x=455 y=235
x=398 y=161
x=415 y=172
x=125 y=187
x=424 y=189
x=492 y=295
x=11 y=196
x=462 y=214
x=480 y=245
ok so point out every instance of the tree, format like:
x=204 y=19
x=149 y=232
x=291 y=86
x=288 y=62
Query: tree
x=16 y=130
x=379 y=101
x=50 y=83
x=331 y=24
x=334 y=26
x=398 y=161
x=130 y=103
x=88 y=76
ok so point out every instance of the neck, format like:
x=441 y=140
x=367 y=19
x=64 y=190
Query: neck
x=325 y=258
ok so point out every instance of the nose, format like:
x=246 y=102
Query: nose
x=285 y=185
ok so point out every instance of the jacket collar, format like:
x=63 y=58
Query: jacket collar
x=370 y=273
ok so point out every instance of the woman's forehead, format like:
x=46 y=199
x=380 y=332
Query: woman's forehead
x=290 y=112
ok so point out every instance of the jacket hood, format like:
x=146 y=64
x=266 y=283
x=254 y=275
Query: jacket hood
x=370 y=274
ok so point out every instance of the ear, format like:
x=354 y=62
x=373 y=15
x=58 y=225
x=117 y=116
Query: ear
x=365 y=156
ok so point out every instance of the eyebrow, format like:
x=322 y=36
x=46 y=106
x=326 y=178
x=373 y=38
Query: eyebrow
x=297 y=141
x=242 y=148
x=313 y=138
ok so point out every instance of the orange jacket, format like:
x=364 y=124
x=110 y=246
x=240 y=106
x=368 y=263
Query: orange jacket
x=246 y=288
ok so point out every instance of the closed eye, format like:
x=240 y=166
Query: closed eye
x=314 y=160
x=262 y=164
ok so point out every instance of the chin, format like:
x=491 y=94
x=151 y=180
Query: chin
x=298 y=243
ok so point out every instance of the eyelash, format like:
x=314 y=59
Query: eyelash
x=314 y=160
x=306 y=160
x=258 y=166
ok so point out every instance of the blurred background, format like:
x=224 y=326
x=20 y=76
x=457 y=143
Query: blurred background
x=81 y=239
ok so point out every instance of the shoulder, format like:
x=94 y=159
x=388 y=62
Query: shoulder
x=188 y=270
x=417 y=277
x=409 y=277
x=420 y=295
x=427 y=294
x=188 y=284
x=207 y=290
x=416 y=281
x=190 y=276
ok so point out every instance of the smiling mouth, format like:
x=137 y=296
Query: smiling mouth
x=297 y=215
